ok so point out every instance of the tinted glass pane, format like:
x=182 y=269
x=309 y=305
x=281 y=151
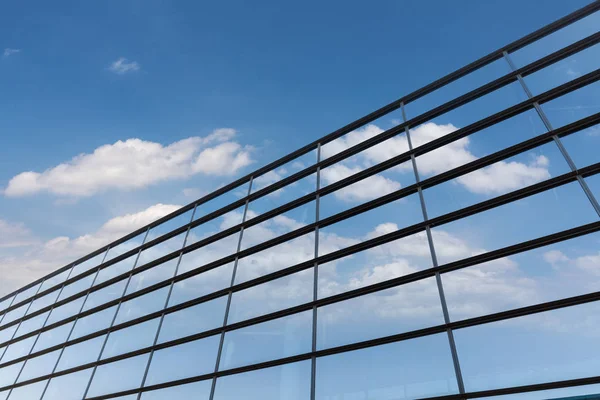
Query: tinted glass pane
x=581 y=146
x=116 y=269
x=161 y=249
x=573 y=106
x=197 y=390
x=565 y=393
x=105 y=295
x=55 y=280
x=53 y=337
x=43 y=301
x=118 y=376
x=270 y=340
x=170 y=225
x=8 y=374
x=68 y=387
x=27 y=293
x=283 y=171
x=88 y=264
x=198 y=318
x=7 y=334
x=200 y=285
x=15 y=314
x=131 y=338
x=28 y=392
x=39 y=366
x=290 y=382
x=66 y=310
x=18 y=349
x=188 y=359
x=142 y=305
x=125 y=247
x=93 y=322
x=6 y=303
x=209 y=253
x=153 y=275
x=81 y=353
x=76 y=287
x=32 y=324
x=221 y=201
x=405 y=370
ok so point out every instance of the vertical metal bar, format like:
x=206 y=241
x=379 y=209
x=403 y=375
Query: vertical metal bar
x=438 y=278
x=112 y=322
x=162 y=316
x=3 y=315
x=313 y=360
x=229 y=296
x=540 y=112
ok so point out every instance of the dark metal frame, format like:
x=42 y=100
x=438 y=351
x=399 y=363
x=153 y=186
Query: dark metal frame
x=533 y=102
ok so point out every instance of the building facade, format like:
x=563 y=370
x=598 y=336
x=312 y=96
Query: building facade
x=444 y=246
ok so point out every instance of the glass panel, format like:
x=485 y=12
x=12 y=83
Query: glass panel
x=198 y=318
x=28 y=392
x=132 y=338
x=370 y=224
x=153 y=275
x=202 y=284
x=43 y=301
x=573 y=106
x=497 y=179
x=15 y=314
x=548 y=273
x=289 y=382
x=27 y=293
x=93 y=322
x=8 y=374
x=18 y=349
x=521 y=220
x=457 y=88
x=88 y=264
x=557 y=40
x=197 y=390
x=104 y=295
x=279 y=225
x=118 y=376
x=400 y=309
x=68 y=387
x=589 y=392
x=65 y=311
x=593 y=183
x=582 y=146
x=272 y=296
x=221 y=201
x=32 y=324
x=161 y=249
x=282 y=337
x=53 y=337
x=55 y=280
x=409 y=369
x=209 y=253
x=388 y=261
x=170 y=225
x=551 y=346
x=5 y=304
x=81 y=353
x=282 y=196
x=39 y=366
x=76 y=287
x=120 y=267
x=140 y=306
x=276 y=258
x=124 y=247
x=284 y=171
x=188 y=359
x=7 y=333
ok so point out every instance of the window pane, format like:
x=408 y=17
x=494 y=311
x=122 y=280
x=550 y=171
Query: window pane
x=39 y=366
x=161 y=249
x=409 y=369
x=276 y=258
x=43 y=301
x=564 y=393
x=152 y=276
x=272 y=296
x=551 y=346
x=27 y=293
x=208 y=253
x=65 y=311
x=221 y=201
x=18 y=349
x=68 y=387
x=120 y=267
x=202 y=284
x=4 y=304
x=132 y=338
x=573 y=106
x=381 y=263
x=104 y=295
x=9 y=373
x=289 y=381
x=28 y=392
x=88 y=264
x=582 y=146
x=284 y=171
x=282 y=196
x=400 y=309
x=117 y=376
x=198 y=318
x=15 y=314
x=93 y=322
x=593 y=183
x=140 y=306
x=124 y=247
x=197 y=390
x=76 y=287
x=548 y=273
x=270 y=340
x=188 y=359
x=170 y=225
x=53 y=281
x=7 y=334
x=81 y=353
x=32 y=324
x=53 y=337
x=525 y=219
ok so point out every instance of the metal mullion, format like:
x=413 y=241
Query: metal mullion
x=540 y=112
x=62 y=350
x=438 y=279
x=313 y=361
x=113 y=320
x=162 y=316
x=230 y=294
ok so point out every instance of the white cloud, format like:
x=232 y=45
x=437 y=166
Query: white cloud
x=38 y=258
x=123 y=66
x=363 y=190
x=9 y=52
x=589 y=263
x=135 y=163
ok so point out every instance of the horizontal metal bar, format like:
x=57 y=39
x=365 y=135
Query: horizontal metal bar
x=540 y=33
x=458 y=171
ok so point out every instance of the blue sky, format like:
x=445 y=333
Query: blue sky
x=115 y=114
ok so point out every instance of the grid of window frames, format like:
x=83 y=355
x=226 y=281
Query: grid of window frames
x=444 y=246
